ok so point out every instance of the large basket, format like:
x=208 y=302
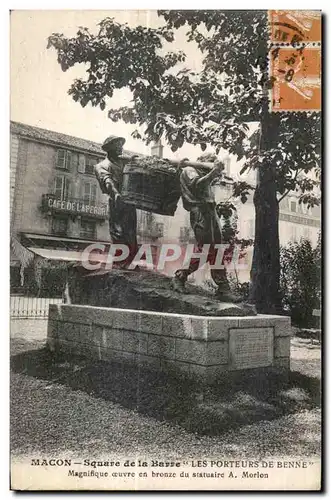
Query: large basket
x=152 y=189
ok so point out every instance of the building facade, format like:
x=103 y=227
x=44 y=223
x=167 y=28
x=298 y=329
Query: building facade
x=53 y=191
x=55 y=200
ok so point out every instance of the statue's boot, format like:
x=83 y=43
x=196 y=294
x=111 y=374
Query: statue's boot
x=224 y=294
x=178 y=284
x=249 y=308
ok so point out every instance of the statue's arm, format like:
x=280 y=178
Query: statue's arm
x=213 y=174
x=105 y=180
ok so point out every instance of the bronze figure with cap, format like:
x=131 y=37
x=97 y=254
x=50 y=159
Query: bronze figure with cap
x=122 y=217
x=198 y=199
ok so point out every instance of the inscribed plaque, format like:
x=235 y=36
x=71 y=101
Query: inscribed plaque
x=251 y=347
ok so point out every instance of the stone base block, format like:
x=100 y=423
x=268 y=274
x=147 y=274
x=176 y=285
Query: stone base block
x=201 y=347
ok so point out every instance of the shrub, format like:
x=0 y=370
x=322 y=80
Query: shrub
x=240 y=288
x=300 y=280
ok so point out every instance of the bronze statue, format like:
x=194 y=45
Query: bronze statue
x=122 y=216
x=198 y=199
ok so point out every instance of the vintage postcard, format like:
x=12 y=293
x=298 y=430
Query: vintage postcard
x=165 y=250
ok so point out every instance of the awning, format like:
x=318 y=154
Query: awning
x=66 y=255
x=35 y=237
x=54 y=254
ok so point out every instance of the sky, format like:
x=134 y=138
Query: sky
x=39 y=87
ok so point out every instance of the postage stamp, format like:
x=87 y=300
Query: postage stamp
x=296 y=75
x=295 y=60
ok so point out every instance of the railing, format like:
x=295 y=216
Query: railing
x=306 y=220
x=30 y=307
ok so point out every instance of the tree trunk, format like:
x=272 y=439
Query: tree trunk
x=265 y=272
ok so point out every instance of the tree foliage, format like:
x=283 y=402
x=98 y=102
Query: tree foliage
x=209 y=107
x=182 y=106
x=301 y=280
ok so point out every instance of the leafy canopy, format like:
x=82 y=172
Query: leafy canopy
x=211 y=106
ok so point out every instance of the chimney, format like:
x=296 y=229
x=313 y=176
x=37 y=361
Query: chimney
x=157 y=149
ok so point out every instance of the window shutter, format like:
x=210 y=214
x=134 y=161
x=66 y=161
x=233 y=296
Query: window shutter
x=81 y=164
x=74 y=161
x=61 y=158
x=93 y=193
x=87 y=192
x=68 y=160
x=58 y=186
x=66 y=188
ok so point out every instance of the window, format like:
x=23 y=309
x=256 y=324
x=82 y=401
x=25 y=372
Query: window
x=60 y=226
x=90 y=162
x=74 y=159
x=293 y=206
x=62 y=187
x=159 y=226
x=63 y=159
x=87 y=229
x=81 y=164
x=89 y=193
x=70 y=160
x=85 y=164
x=184 y=234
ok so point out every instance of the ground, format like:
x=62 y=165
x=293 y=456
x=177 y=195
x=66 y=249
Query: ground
x=69 y=406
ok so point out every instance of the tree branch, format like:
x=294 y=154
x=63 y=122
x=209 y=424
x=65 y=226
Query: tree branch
x=289 y=190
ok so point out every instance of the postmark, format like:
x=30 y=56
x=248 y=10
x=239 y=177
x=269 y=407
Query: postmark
x=295 y=26
x=295 y=61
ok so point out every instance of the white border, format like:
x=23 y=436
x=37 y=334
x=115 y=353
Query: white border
x=4 y=197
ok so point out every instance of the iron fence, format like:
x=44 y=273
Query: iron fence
x=30 y=307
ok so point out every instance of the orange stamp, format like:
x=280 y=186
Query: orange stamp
x=295 y=26
x=295 y=75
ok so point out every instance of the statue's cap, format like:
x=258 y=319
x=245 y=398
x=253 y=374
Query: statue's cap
x=109 y=142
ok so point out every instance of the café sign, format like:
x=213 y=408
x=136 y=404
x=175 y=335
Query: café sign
x=74 y=207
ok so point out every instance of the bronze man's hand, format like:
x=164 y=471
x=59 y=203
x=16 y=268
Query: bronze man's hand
x=183 y=162
x=109 y=186
x=118 y=200
x=113 y=192
x=218 y=168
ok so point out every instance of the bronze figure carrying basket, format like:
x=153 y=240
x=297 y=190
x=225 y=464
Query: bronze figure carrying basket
x=152 y=184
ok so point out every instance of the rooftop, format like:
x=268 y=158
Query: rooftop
x=49 y=136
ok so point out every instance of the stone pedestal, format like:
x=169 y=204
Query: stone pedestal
x=203 y=347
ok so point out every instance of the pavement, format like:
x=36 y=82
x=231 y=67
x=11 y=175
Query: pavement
x=29 y=329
